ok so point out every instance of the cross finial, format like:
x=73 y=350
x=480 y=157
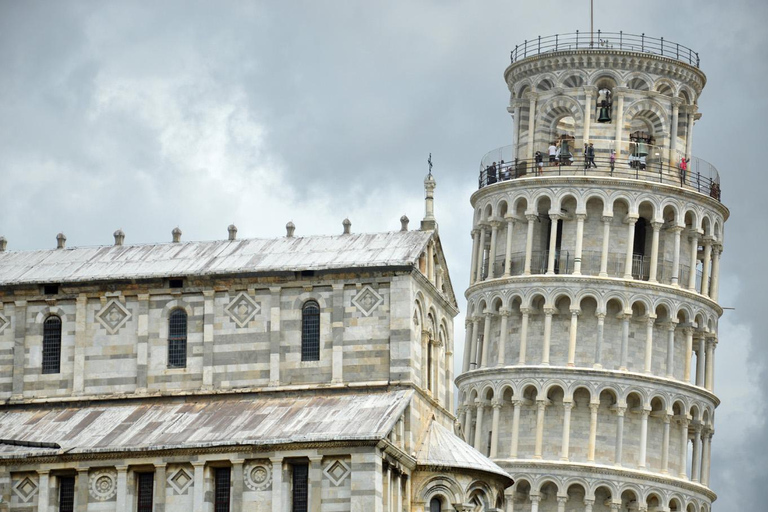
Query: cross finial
x=429 y=161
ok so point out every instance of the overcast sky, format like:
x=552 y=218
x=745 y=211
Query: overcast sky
x=149 y=115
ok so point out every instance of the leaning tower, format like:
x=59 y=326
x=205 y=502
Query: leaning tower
x=592 y=305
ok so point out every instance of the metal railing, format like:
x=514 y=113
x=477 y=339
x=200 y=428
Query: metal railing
x=605 y=41
x=700 y=175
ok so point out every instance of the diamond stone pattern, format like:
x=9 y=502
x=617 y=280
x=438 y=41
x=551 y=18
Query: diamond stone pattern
x=4 y=322
x=25 y=489
x=113 y=316
x=242 y=309
x=180 y=481
x=367 y=300
x=258 y=475
x=337 y=471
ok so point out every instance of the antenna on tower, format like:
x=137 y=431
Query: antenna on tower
x=591 y=23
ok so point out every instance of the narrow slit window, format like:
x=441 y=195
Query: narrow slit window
x=310 y=331
x=300 y=487
x=66 y=494
x=52 y=345
x=221 y=492
x=146 y=486
x=177 y=339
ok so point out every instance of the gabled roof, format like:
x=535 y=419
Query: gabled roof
x=285 y=254
x=441 y=448
x=198 y=423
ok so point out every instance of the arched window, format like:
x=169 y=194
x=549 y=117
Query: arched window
x=435 y=505
x=310 y=331
x=177 y=339
x=52 y=345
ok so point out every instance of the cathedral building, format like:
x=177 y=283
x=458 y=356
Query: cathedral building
x=592 y=310
x=285 y=375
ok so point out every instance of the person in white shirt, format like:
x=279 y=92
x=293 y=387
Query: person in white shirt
x=552 y=153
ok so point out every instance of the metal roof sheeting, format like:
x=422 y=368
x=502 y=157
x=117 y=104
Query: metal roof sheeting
x=81 y=264
x=442 y=448
x=203 y=423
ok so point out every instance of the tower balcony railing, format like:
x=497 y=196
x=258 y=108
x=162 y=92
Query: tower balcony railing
x=590 y=266
x=605 y=41
x=699 y=175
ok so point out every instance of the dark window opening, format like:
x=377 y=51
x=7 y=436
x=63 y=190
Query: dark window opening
x=488 y=448
x=175 y=283
x=51 y=289
x=429 y=366
x=307 y=273
x=52 y=345
x=66 y=494
x=300 y=487
x=177 y=339
x=310 y=331
x=146 y=486
x=640 y=230
x=435 y=505
x=222 y=483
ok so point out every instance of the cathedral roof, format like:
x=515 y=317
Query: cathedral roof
x=200 y=423
x=284 y=254
x=441 y=449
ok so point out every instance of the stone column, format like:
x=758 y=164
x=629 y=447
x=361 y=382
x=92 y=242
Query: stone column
x=653 y=272
x=631 y=221
x=508 y=248
x=315 y=482
x=44 y=487
x=541 y=406
x=709 y=379
x=548 y=311
x=277 y=484
x=624 y=356
x=473 y=343
x=516 y=405
x=643 y=437
x=208 y=320
x=673 y=132
x=475 y=246
x=467 y=342
x=714 y=288
x=606 y=245
x=599 y=344
x=588 y=504
x=649 y=343
x=694 y=239
x=531 y=125
x=580 y=218
x=158 y=502
x=504 y=311
x=700 y=358
x=671 y=349
x=468 y=423
x=619 y=116
x=486 y=338
x=81 y=340
x=567 y=407
x=619 y=434
x=496 y=404
x=676 y=231
x=535 y=499
x=516 y=129
x=706 y=457
x=81 y=489
x=142 y=343
x=561 y=501
x=575 y=312
x=665 y=445
x=479 y=425
x=122 y=489
x=689 y=134
x=593 y=409
x=688 y=331
x=274 y=336
x=524 y=333
x=683 y=447
x=554 y=218
x=589 y=93
x=696 y=459
x=237 y=485
x=480 y=254
x=198 y=487
x=529 y=244
x=492 y=252
x=705 y=266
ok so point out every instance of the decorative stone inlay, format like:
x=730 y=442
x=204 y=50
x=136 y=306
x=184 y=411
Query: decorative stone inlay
x=103 y=484
x=367 y=300
x=180 y=480
x=258 y=475
x=4 y=322
x=242 y=309
x=113 y=316
x=25 y=489
x=337 y=471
